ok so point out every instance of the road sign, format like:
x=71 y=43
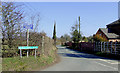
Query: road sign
x=28 y=47
x=28 y=26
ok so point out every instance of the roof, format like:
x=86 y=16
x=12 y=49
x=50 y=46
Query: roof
x=117 y=22
x=109 y=35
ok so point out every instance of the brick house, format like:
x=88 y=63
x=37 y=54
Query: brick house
x=112 y=32
x=103 y=32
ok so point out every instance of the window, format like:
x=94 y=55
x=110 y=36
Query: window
x=100 y=34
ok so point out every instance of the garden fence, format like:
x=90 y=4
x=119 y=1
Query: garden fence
x=107 y=47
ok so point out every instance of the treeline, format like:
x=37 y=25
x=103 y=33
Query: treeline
x=76 y=36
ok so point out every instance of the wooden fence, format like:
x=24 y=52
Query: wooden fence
x=107 y=47
x=86 y=46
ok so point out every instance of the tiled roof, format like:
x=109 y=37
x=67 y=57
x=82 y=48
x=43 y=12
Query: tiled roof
x=109 y=35
x=115 y=23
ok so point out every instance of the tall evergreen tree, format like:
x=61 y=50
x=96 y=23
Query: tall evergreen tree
x=54 y=33
x=75 y=37
x=75 y=33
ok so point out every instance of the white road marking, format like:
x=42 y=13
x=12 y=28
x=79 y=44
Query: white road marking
x=80 y=58
x=109 y=61
x=114 y=63
x=75 y=58
x=106 y=66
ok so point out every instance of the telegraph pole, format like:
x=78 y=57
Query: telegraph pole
x=79 y=24
x=79 y=28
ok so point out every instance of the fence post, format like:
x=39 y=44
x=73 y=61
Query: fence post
x=111 y=47
x=115 y=47
x=42 y=44
x=104 y=46
x=96 y=45
x=107 y=46
x=101 y=46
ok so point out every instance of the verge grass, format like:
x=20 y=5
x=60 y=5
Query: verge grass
x=25 y=64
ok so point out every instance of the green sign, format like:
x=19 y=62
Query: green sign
x=28 y=47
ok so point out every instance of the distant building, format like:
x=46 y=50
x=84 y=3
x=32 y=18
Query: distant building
x=103 y=32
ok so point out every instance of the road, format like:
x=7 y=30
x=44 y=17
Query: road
x=76 y=61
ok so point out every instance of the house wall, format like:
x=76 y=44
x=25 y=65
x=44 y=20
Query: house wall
x=99 y=32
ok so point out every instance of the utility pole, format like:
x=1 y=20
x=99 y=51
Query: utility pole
x=79 y=28
x=79 y=24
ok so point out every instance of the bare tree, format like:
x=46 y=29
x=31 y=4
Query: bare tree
x=0 y=19
x=37 y=23
x=35 y=20
x=11 y=25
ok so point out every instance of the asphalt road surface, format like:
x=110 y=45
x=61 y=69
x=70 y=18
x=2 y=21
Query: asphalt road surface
x=76 y=61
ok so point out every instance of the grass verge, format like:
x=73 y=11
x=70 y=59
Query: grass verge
x=26 y=64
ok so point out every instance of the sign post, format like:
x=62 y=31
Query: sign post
x=35 y=53
x=27 y=40
x=20 y=53
x=28 y=27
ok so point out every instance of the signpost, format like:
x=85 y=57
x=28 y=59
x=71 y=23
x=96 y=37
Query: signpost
x=27 y=26
x=27 y=47
x=27 y=40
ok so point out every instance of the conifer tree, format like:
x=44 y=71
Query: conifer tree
x=54 y=33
